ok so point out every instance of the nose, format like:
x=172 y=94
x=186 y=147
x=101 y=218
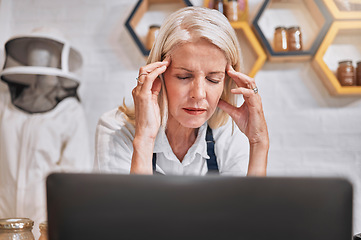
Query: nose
x=198 y=88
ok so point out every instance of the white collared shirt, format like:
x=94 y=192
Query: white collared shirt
x=114 y=149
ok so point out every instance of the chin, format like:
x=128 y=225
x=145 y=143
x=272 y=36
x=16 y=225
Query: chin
x=193 y=123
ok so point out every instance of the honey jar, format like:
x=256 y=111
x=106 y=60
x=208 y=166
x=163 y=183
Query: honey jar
x=358 y=74
x=219 y=5
x=294 y=37
x=151 y=36
x=232 y=10
x=43 y=228
x=345 y=73
x=16 y=228
x=280 y=42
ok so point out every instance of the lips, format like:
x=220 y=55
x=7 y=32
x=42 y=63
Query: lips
x=195 y=111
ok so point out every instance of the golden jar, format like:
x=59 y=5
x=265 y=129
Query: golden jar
x=232 y=10
x=294 y=36
x=280 y=42
x=43 y=228
x=219 y=5
x=345 y=73
x=358 y=74
x=16 y=228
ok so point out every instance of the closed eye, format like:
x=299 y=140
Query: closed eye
x=213 y=80
x=183 y=78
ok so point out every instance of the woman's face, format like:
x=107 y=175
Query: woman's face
x=194 y=81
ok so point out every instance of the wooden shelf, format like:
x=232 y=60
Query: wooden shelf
x=341 y=42
x=350 y=9
x=312 y=17
x=147 y=13
x=252 y=52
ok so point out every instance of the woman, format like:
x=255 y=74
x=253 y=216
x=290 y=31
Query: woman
x=189 y=83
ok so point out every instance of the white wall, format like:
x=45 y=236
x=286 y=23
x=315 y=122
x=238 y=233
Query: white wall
x=312 y=133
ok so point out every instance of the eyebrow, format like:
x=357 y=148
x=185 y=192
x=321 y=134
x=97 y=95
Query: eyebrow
x=182 y=68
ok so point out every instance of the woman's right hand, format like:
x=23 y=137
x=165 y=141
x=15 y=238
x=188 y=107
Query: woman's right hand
x=147 y=114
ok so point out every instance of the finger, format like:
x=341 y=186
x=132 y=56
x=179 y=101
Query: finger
x=241 y=79
x=151 y=77
x=244 y=91
x=226 y=107
x=157 y=85
x=144 y=71
x=152 y=66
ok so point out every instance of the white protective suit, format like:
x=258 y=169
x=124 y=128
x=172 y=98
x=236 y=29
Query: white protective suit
x=32 y=146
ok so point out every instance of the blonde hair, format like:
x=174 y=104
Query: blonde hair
x=191 y=24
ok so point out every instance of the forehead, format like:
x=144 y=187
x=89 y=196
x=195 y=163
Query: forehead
x=197 y=53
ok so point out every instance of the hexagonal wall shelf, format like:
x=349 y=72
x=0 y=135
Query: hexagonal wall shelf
x=341 y=9
x=342 y=42
x=147 y=13
x=312 y=17
x=252 y=51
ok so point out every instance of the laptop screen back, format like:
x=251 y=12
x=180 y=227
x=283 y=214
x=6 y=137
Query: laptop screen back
x=106 y=206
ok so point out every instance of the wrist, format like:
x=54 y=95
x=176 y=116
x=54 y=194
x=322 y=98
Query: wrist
x=258 y=158
x=260 y=145
x=142 y=156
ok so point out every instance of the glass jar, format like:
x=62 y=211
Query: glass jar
x=219 y=5
x=358 y=74
x=151 y=36
x=43 y=227
x=345 y=73
x=280 y=39
x=16 y=228
x=294 y=36
x=232 y=10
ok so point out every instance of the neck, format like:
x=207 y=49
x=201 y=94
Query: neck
x=180 y=138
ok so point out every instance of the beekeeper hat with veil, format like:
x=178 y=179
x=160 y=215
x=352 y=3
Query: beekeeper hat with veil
x=41 y=69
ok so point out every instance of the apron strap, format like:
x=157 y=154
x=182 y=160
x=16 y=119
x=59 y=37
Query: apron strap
x=212 y=161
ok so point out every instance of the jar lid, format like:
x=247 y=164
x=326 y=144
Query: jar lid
x=154 y=26
x=43 y=226
x=280 y=27
x=294 y=28
x=359 y=62
x=16 y=223
x=345 y=61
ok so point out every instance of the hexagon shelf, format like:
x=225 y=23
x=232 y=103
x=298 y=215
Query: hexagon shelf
x=310 y=15
x=341 y=9
x=252 y=51
x=147 y=13
x=342 y=42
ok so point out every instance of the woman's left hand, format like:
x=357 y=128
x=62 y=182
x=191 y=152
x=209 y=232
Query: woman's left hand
x=249 y=118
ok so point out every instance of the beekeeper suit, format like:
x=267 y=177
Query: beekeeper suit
x=42 y=124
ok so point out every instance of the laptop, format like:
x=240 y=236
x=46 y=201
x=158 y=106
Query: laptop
x=109 y=206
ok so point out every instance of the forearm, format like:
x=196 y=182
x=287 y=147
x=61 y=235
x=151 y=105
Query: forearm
x=258 y=159
x=142 y=157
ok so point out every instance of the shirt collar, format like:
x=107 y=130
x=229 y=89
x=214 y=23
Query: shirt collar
x=199 y=147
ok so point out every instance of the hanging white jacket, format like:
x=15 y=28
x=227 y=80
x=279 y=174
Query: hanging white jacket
x=32 y=146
